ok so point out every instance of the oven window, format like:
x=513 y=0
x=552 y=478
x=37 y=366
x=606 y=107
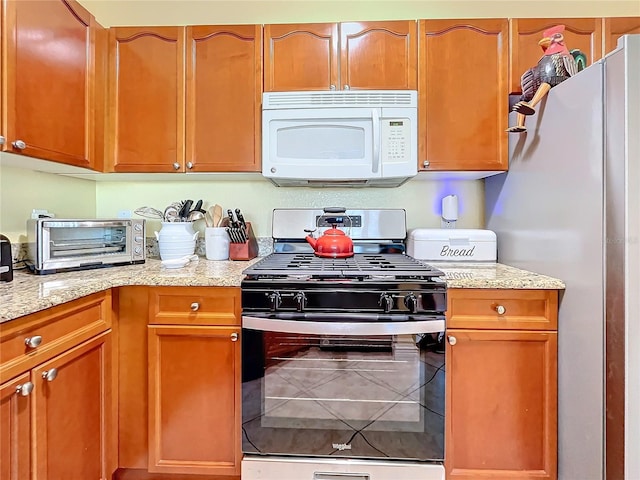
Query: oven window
x=322 y=395
x=77 y=242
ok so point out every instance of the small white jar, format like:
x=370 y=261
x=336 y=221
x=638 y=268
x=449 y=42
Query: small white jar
x=216 y=242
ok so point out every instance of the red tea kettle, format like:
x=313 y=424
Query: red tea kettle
x=333 y=243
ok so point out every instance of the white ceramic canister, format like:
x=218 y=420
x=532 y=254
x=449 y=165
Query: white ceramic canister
x=216 y=242
x=176 y=240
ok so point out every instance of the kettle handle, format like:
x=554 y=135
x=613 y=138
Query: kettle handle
x=157 y=235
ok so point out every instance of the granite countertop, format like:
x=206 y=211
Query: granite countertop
x=30 y=293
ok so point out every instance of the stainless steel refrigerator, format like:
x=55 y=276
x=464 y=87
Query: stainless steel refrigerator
x=569 y=207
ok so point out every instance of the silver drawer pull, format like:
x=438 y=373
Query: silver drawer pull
x=452 y=340
x=234 y=337
x=33 y=342
x=50 y=375
x=24 y=389
x=195 y=306
x=340 y=476
x=501 y=310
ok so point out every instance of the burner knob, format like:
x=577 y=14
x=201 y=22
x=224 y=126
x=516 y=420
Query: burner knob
x=301 y=301
x=386 y=302
x=274 y=301
x=411 y=302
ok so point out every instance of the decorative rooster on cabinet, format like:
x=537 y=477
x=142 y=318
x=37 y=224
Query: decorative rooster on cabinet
x=556 y=65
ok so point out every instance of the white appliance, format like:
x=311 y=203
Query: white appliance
x=452 y=245
x=569 y=207
x=340 y=138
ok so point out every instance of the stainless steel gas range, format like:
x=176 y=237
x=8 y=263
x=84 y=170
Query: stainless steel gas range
x=343 y=370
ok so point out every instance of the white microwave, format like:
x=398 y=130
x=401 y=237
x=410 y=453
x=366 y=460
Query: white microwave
x=340 y=138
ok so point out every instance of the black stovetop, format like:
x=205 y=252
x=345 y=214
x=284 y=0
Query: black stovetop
x=360 y=266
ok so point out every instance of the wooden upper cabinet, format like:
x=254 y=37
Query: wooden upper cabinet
x=463 y=95
x=223 y=91
x=300 y=57
x=49 y=107
x=614 y=28
x=146 y=106
x=352 y=55
x=581 y=33
x=379 y=55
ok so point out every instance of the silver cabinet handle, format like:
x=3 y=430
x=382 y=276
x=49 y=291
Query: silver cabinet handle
x=2 y=140
x=452 y=340
x=234 y=337
x=33 y=342
x=500 y=309
x=346 y=87
x=332 y=87
x=189 y=165
x=24 y=389
x=19 y=144
x=426 y=163
x=50 y=375
x=176 y=166
x=195 y=306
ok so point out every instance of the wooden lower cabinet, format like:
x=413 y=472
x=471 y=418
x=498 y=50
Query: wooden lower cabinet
x=15 y=425
x=194 y=398
x=501 y=407
x=58 y=424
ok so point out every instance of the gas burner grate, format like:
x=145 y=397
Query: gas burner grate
x=361 y=265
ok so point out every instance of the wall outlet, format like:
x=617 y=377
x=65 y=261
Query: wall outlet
x=41 y=213
x=124 y=213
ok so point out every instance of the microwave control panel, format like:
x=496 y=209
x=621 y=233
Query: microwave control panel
x=395 y=135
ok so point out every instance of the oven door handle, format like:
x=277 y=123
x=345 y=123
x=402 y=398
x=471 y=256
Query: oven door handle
x=343 y=328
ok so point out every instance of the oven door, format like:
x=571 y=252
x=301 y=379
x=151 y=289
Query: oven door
x=329 y=387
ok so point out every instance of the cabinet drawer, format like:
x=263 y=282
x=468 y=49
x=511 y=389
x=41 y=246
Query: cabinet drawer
x=502 y=309
x=194 y=306
x=57 y=329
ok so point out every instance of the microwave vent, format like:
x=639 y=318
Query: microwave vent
x=349 y=98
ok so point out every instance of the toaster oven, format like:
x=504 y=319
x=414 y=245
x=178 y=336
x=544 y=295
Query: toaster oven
x=56 y=245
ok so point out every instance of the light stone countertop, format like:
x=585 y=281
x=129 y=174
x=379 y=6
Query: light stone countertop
x=29 y=293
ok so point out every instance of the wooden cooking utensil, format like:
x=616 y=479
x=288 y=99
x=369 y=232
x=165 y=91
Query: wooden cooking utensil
x=217 y=215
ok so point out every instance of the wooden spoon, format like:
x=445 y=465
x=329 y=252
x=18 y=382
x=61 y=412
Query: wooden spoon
x=217 y=215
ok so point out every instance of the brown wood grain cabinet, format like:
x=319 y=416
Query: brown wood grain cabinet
x=56 y=415
x=194 y=381
x=463 y=95
x=224 y=98
x=501 y=413
x=52 y=82
x=146 y=101
x=581 y=33
x=185 y=99
x=341 y=56
x=613 y=28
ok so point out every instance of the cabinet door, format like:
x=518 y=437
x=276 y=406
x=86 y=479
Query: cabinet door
x=581 y=33
x=15 y=424
x=463 y=97
x=614 y=28
x=73 y=413
x=300 y=57
x=224 y=89
x=501 y=414
x=49 y=80
x=146 y=106
x=379 y=55
x=194 y=398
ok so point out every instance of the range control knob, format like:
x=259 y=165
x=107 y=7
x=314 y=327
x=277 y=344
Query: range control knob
x=386 y=302
x=274 y=301
x=137 y=227
x=301 y=301
x=411 y=302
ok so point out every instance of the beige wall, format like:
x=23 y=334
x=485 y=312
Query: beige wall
x=185 y=12
x=257 y=198
x=23 y=190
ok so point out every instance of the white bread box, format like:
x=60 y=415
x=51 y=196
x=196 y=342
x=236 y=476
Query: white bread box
x=452 y=245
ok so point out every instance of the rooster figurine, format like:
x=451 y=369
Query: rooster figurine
x=556 y=65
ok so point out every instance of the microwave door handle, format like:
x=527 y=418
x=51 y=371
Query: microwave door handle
x=375 y=118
